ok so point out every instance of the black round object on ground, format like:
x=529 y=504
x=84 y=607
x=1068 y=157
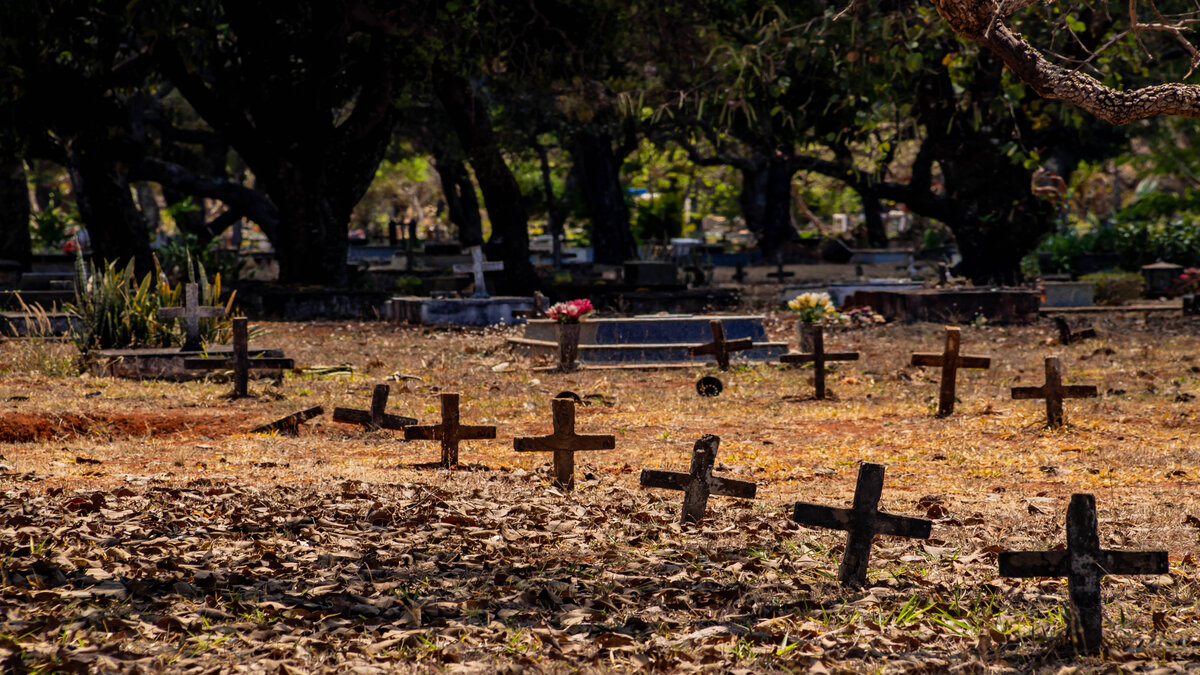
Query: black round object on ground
x=709 y=386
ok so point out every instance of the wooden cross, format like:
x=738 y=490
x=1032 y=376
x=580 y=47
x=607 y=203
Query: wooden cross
x=290 y=424
x=863 y=521
x=779 y=273
x=819 y=358
x=699 y=482
x=477 y=267
x=191 y=312
x=1054 y=391
x=240 y=363
x=1066 y=336
x=950 y=361
x=376 y=417
x=564 y=442
x=1084 y=564
x=720 y=348
x=449 y=432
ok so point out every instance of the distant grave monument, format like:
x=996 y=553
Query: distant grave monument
x=477 y=267
x=950 y=361
x=449 y=431
x=818 y=357
x=698 y=483
x=1054 y=391
x=564 y=442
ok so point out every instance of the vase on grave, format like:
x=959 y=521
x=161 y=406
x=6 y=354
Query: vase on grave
x=568 y=344
x=804 y=332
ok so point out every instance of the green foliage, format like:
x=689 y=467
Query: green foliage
x=1174 y=240
x=50 y=229
x=1116 y=288
x=660 y=218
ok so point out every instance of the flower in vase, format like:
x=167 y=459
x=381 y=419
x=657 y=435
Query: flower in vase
x=571 y=311
x=813 y=307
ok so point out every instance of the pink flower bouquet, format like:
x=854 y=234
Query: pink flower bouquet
x=571 y=311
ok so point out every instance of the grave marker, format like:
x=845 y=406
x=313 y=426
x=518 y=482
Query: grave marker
x=477 y=267
x=779 y=274
x=289 y=425
x=1054 y=391
x=1066 y=336
x=862 y=521
x=449 y=432
x=377 y=417
x=819 y=358
x=1084 y=564
x=720 y=348
x=240 y=363
x=191 y=312
x=950 y=361
x=699 y=482
x=564 y=442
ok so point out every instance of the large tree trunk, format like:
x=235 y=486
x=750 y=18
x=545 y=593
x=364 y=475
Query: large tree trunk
x=461 y=204
x=312 y=242
x=15 y=243
x=102 y=193
x=766 y=201
x=599 y=177
x=469 y=118
x=876 y=230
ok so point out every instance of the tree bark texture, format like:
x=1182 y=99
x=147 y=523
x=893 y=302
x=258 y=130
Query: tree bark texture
x=461 y=203
x=766 y=201
x=598 y=171
x=15 y=243
x=102 y=193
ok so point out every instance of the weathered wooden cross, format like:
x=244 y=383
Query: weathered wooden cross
x=699 y=482
x=449 y=432
x=191 y=312
x=819 y=358
x=477 y=267
x=721 y=348
x=950 y=361
x=863 y=521
x=377 y=417
x=290 y=424
x=1066 y=336
x=564 y=442
x=1054 y=391
x=1084 y=564
x=779 y=274
x=240 y=362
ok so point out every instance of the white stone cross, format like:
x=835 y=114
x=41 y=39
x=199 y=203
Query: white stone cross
x=191 y=313
x=477 y=267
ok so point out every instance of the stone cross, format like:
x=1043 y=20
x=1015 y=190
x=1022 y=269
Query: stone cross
x=191 y=312
x=863 y=521
x=376 y=417
x=290 y=424
x=564 y=442
x=478 y=267
x=819 y=359
x=950 y=361
x=1066 y=336
x=720 y=348
x=449 y=432
x=1054 y=391
x=240 y=363
x=699 y=482
x=779 y=273
x=1084 y=564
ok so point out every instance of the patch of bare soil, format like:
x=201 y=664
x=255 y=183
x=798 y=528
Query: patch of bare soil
x=19 y=427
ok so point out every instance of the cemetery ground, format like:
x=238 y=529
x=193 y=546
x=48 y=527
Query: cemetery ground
x=144 y=528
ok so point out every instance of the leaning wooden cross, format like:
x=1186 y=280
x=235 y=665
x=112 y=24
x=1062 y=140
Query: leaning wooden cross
x=564 y=442
x=289 y=425
x=950 y=361
x=699 y=482
x=721 y=348
x=1084 y=564
x=1054 y=391
x=863 y=521
x=477 y=267
x=449 y=432
x=241 y=364
x=819 y=358
x=191 y=312
x=377 y=417
x=1066 y=336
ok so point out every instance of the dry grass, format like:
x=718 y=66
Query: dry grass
x=602 y=578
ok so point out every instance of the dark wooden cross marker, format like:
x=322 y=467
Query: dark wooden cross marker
x=240 y=363
x=564 y=442
x=290 y=425
x=1066 y=336
x=699 y=482
x=720 y=348
x=819 y=359
x=376 y=417
x=950 y=361
x=1054 y=391
x=1084 y=564
x=863 y=521
x=191 y=312
x=779 y=274
x=449 y=432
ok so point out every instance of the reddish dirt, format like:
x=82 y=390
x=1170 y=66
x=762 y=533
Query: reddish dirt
x=27 y=428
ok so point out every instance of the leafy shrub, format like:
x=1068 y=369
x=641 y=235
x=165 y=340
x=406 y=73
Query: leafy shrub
x=1116 y=288
x=1188 y=283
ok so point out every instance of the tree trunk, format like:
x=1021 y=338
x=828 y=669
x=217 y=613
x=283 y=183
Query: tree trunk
x=600 y=179
x=102 y=194
x=510 y=226
x=876 y=231
x=766 y=201
x=461 y=203
x=15 y=243
x=312 y=243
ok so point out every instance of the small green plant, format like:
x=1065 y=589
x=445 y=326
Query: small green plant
x=1116 y=288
